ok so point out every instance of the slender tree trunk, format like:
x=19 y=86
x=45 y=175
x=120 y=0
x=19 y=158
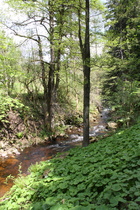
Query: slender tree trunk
x=50 y=97
x=55 y=54
x=51 y=71
x=86 y=69
x=44 y=83
x=58 y=53
x=85 y=52
x=57 y=73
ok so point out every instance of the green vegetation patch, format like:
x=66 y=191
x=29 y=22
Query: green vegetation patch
x=105 y=175
x=7 y=103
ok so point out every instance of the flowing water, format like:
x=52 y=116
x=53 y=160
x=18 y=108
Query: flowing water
x=41 y=152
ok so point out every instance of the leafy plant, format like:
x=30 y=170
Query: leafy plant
x=10 y=68
x=7 y=103
x=73 y=119
x=104 y=175
x=20 y=135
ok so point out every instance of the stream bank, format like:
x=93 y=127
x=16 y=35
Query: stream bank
x=44 y=151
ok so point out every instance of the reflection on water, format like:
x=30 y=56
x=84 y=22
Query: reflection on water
x=42 y=152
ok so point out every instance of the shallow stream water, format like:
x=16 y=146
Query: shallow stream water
x=42 y=152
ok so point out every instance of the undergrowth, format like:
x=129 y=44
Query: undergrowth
x=7 y=103
x=103 y=176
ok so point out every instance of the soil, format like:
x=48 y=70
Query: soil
x=17 y=133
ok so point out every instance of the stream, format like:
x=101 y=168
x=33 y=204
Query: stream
x=42 y=152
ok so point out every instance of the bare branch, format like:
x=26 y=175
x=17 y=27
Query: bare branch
x=36 y=60
x=20 y=35
x=41 y=23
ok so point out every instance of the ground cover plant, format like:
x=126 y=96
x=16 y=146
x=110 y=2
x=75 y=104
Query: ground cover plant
x=103 y=176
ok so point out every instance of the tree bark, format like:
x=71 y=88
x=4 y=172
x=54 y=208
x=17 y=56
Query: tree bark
x=51 y=70
x=44 y=83
x=85 y=52
x=86 y=69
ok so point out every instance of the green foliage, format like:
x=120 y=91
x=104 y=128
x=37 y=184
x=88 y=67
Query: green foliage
x=125 y=102
x=7 y=103
x=104 y=175
x=73 y=119
x=20 y=135
x=122 y=79
x=44 y=133
x=10 y=68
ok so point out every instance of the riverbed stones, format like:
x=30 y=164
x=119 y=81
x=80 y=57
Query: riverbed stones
x=112 y=125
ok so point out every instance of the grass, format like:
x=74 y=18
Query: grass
x=103 y=176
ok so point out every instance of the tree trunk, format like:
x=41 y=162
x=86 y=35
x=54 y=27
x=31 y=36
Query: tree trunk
x=85 y=52
x=51 y=70
x=44 y=83
x=86 y=69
